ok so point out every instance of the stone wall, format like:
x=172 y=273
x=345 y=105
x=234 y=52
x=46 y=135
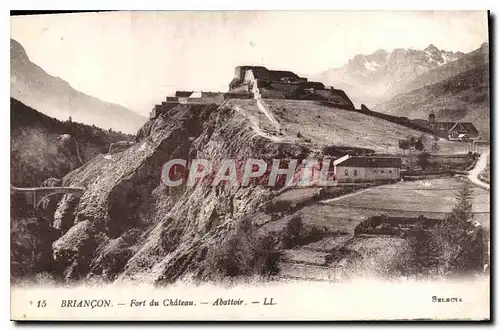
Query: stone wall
x=271 y=94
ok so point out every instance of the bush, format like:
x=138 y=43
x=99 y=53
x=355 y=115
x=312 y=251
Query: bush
x=423 y=160
x=243 y=253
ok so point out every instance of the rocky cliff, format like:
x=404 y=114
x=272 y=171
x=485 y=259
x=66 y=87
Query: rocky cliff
x=129 y=226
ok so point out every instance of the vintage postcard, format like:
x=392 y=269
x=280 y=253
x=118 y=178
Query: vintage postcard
x=250 y=165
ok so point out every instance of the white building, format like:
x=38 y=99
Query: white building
x=367 y=168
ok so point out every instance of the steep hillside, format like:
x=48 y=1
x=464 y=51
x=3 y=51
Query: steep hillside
x=463 y=97
x=43 y=147
x=371 y=78
x=128 y=225
x=54 y=97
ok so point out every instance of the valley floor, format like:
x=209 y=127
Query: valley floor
x=327 y=258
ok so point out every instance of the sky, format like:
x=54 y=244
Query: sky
x=136 y=59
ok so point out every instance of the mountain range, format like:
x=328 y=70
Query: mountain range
x=457 y=91
x=375 y=77
x=413 y=83
x=53 y=96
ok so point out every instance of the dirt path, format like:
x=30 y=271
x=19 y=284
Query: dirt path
x=269 y=115
x=473 y=174
x=255 y=124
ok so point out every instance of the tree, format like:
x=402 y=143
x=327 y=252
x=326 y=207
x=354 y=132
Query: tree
x=463 y=208
x=419 y=145
x=411 y=143
x=404 y=144
x=435 y=147
x=422 y=254
x=453 y=246
x=463 y=242
x=423 y=160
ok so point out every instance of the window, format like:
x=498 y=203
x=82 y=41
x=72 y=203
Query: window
x=346 y=172
x=375 y=170
x=382 y=171
x=355 y=173
x=390 y=171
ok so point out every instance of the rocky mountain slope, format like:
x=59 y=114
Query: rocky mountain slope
x=129 y=226
x=374 y=77
x=44 y=147
x=54 y=97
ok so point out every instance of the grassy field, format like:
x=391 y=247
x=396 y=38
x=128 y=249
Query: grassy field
x=432 y=198
x=320 y=126
x=341 y=254
x=437 y=197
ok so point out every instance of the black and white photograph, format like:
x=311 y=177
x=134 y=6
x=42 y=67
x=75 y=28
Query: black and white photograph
x=236 y=165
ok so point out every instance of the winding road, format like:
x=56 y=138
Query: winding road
x=473 y=174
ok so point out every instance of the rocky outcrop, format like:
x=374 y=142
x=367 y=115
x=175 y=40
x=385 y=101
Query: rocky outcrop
x=64 y=213
x=119 y=146
x=154 y=233
x=73 y=251
x=31 y=247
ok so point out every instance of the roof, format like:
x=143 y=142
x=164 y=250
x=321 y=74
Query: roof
x=461 y=127
x=371 y=162
x=313 y=85
x=183 y=94
x=469 y=127
x=263 y=73
x=278 y=74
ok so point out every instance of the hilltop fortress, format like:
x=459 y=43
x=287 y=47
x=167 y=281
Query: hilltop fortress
x=275 y=84
x=257 y=82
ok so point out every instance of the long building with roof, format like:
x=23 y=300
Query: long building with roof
x=367 y=168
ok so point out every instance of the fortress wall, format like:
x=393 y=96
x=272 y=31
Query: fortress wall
x=288 y=89
x=232 y=95
x=335 y=97
x=217 y=100
x=240 y=88
x=271 y=94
